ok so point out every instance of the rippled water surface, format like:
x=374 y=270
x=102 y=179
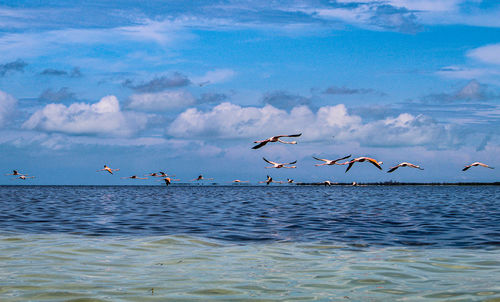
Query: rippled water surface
x=244 y=243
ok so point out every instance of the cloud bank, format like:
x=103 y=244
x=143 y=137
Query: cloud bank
x=101 y=118
x=230 y=121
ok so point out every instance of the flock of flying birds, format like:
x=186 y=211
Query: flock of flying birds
x=326 y=162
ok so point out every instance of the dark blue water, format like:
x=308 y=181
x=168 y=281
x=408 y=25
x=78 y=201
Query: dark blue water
x=433 y=216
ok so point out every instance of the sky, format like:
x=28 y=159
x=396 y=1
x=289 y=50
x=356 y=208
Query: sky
x=186 y=87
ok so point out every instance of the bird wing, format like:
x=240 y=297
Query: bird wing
x=325 y=160
x=414 y=166
x=343 y=157
x=484 y=165
x=375 y=163
x=260 y=145
x=268 y=161
x=350 y=165
x=293 y=162
x=289 y=135
x=466 y=168
x=393 y=169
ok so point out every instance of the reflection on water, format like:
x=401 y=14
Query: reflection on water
x=58 y=267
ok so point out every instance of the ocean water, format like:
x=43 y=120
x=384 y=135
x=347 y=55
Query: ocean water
x=250 y=243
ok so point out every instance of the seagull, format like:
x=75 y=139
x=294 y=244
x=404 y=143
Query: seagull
x=106 y=168
x=16 y=173
x=328 y=162
x=404 y=164
x=134 y=177
x=268 y=180
x=169 y=180
x=24 y=177
x=362 y=159
x=279 y=165
x=201 y=178
x=274 y=139
x=476 y=164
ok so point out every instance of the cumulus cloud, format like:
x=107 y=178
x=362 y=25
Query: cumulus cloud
x=7 y=106
x=161 y=101
x=17 y=65
x=63 y=94
x=159 y=84
x=488 y=54
x=229 y=121
x=101 y=118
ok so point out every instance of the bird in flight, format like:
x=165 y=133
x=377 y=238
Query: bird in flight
x=404 y=164
x=134 y=177
x=362 y=159
x=24 y=177
x=106 y=168
x=169 y=180
x=268 y=180
x=163 y=174
x=239 y=181
x=279 y=165
x=290 y=181
x=475 y=165
x=328 y=162
x=16 y=173
x=274 y=139
x=201 y=178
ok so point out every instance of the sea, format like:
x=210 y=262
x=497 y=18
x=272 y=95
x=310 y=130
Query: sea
x=249 y=243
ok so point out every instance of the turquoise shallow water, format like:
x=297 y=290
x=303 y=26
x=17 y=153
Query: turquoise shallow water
x=64 y=267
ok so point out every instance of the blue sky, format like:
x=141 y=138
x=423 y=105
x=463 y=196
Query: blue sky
x=187 y=87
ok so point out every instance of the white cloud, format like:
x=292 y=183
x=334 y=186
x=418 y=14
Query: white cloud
x=161 y=101
x=215 y=76
x=101 y=118
x=488 y=54
x=7 y=106
x=231 y=121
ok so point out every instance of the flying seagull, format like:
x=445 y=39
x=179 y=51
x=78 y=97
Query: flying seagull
x=362 y=159
x=279 y=165
x=476 y=164
x=274 y=139
x=328 y=162
x=404 y=164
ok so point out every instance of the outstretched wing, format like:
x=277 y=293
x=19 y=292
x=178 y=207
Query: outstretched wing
x=260 y=145
x=343 y=157
x=325 y=160
x=290 y=135
x=350 y=165
x=466 y=168
x=375 y=163
x=270 y=162
x=293 y=162
x=393 y=169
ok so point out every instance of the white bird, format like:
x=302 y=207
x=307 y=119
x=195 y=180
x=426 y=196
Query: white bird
x=362 y=159
x=327 y=183
x=134 y=177
x=279 y=165
x=475 y=165
x=201 y=178
x=328 y=162
x=106 y=168
x=274 y=139
x=404 y=164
